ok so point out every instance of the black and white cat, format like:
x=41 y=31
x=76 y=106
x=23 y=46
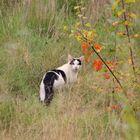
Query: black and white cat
x=59 y=77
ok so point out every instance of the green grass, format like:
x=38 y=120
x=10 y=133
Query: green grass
x=33 y=42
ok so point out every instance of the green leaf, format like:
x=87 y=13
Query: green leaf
x=115 y=5
x=88 y=25
x=76 y=7
x=130 y=1
x=119 y=13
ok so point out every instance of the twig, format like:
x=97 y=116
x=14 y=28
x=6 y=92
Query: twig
x=129 y=40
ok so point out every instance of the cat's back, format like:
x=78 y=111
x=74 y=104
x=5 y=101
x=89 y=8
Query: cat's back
x=54 y=78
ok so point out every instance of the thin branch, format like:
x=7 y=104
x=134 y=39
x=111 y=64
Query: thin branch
x=129 y=39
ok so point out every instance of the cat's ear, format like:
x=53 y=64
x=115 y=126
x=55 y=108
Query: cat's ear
x=82 y=58
x=70 y=57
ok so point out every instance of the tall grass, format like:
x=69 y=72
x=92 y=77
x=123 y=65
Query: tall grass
x=32 y=40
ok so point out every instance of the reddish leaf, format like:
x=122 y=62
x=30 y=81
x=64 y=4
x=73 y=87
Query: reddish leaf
x=87 y=56
x=113 y=108
x=97 y=65
x=85 y=47
x=94 y=41
x=107 y=76
x=109 y=62
x=98 y=47
x=116 y=23
x=112 y=65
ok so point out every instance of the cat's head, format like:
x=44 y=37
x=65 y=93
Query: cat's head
x=75 y=63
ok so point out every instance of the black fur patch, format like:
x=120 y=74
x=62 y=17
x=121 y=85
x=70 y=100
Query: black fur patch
x=72 y=62
x=62 y=73
x=80 y=63
x=48 y=81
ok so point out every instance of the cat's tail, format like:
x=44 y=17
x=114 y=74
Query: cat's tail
x=46 y=93
x=42 y=93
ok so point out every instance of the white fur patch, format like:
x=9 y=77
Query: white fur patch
x=59 y=83
x=42 y=91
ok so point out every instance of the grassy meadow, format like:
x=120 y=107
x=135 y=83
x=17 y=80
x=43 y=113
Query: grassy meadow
x=32 y=41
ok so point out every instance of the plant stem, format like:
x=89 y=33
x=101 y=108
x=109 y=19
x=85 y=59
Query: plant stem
x=129 y=40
